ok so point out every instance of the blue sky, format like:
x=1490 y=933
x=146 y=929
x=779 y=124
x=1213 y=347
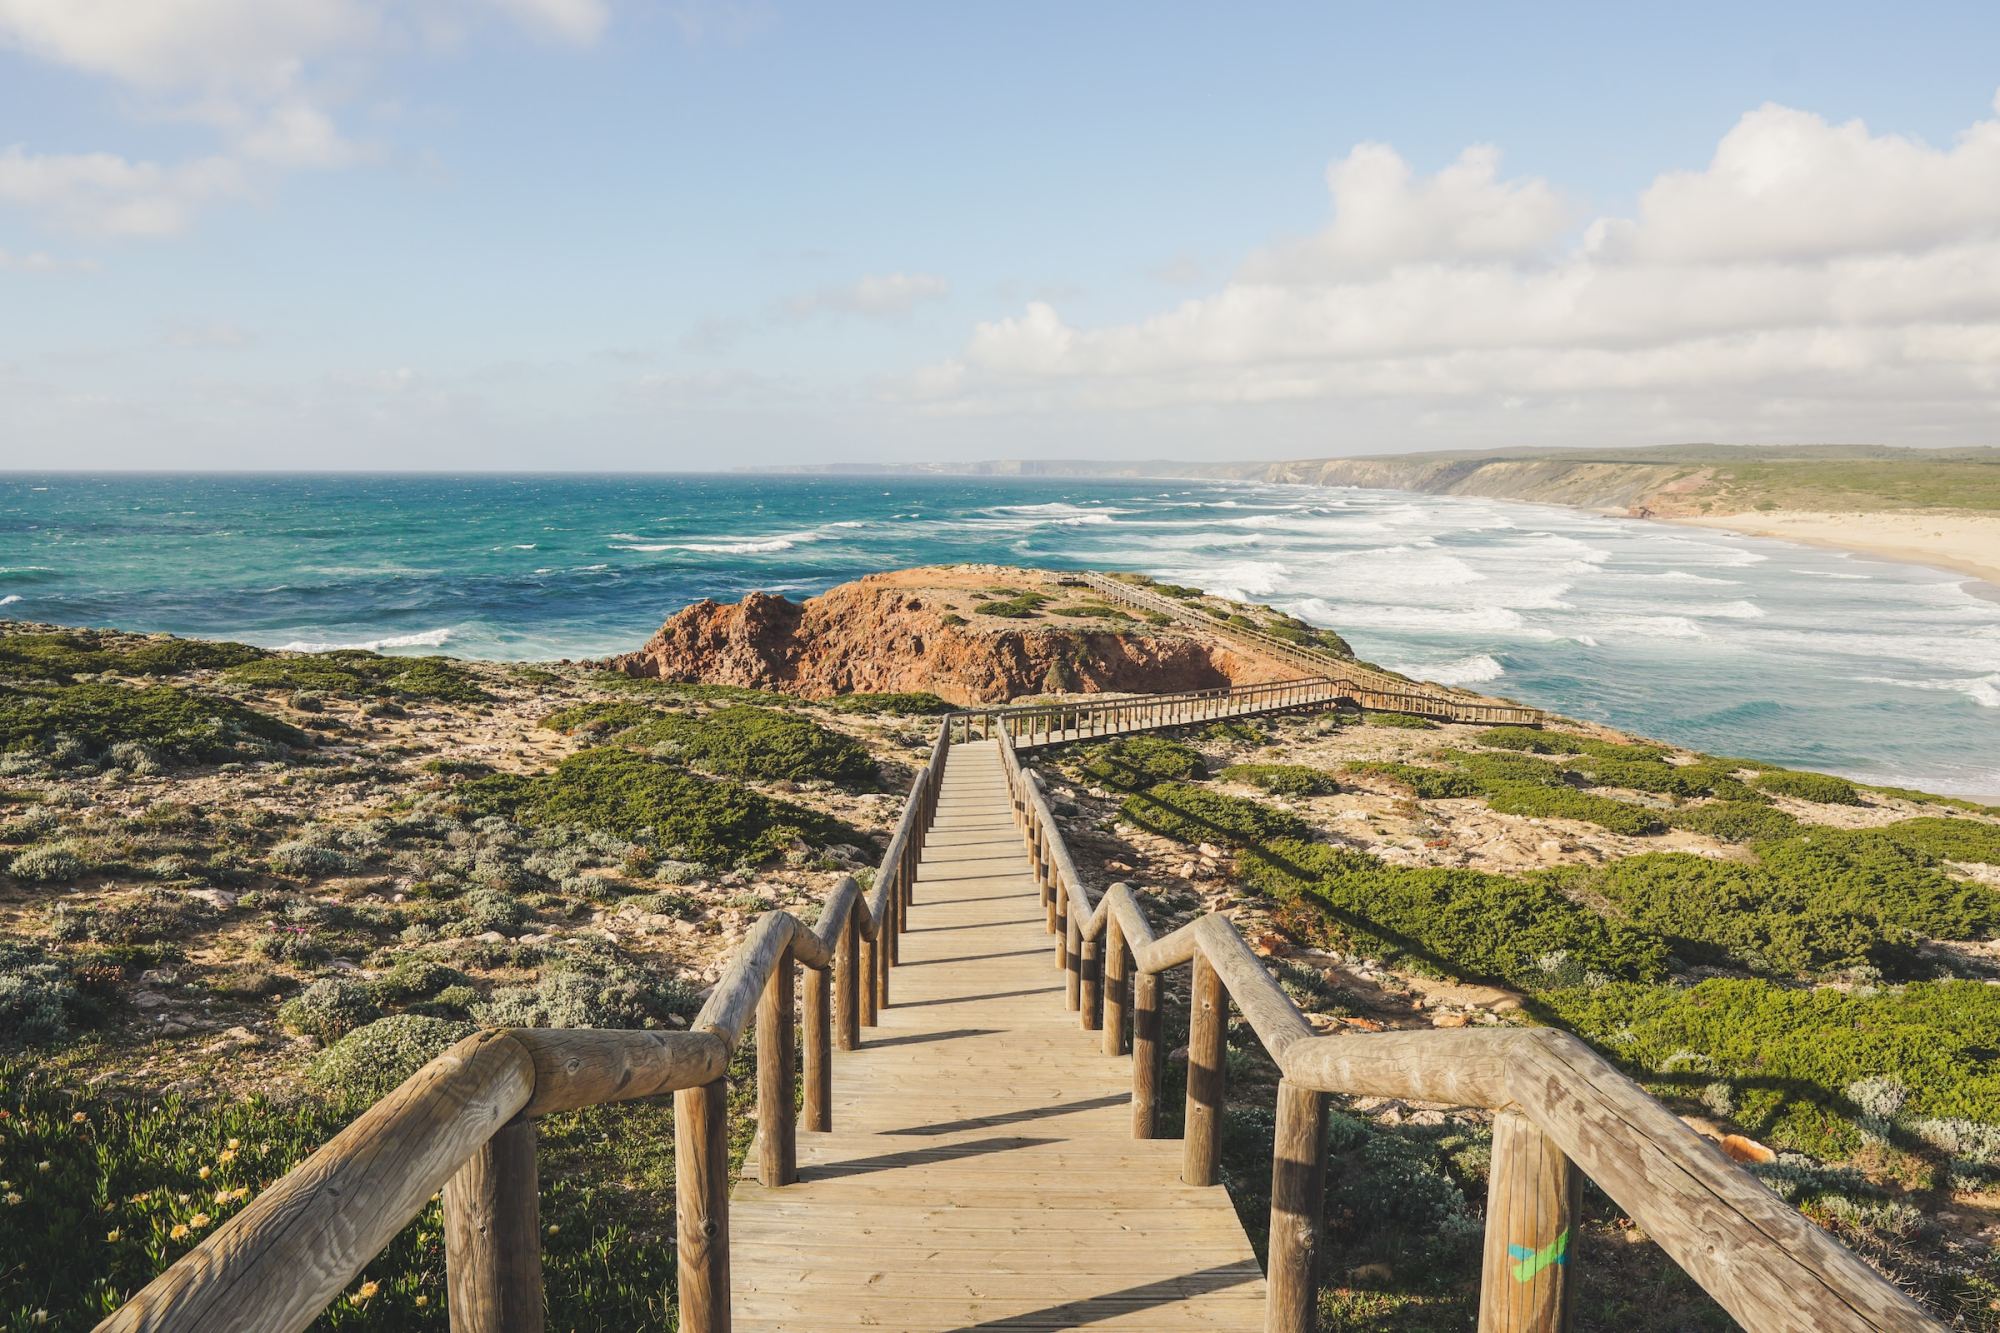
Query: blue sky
x=532 y=233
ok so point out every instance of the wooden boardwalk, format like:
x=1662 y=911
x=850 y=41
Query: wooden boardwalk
x=981 y=1173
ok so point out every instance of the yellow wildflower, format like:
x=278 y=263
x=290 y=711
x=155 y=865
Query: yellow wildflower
x=234 y=1144
x=113 y=1236
x=45 y=1166
x=180 y=1232
x=366 y=1291
x=12 y=1198
x=79 y=1119
x=199 y=1220
x=204 y=1172
x=422 y=1300
x=226 y=1156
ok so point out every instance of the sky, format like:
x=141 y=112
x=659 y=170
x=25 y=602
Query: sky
x=638 y=234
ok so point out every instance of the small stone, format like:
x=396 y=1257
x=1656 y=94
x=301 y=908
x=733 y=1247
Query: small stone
x=1450 y=1020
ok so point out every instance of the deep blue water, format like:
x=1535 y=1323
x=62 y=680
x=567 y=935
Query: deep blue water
x=1734 y=644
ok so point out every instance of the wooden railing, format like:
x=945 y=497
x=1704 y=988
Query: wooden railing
x=464 y=1123
x=1054 y=724
x=1561 y=1112
x=1369 y=688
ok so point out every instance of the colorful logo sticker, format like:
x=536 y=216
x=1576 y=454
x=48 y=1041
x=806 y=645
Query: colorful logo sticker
x=1527 y=1262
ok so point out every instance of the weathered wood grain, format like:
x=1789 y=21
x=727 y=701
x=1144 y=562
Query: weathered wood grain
x=1534 y=1206
x=1298 y=1200
x=1208 y=1016
x=493 y=1237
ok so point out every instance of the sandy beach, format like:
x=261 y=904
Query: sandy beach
x=1967 y=543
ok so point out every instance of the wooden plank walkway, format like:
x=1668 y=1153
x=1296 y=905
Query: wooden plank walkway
x=981 y=1173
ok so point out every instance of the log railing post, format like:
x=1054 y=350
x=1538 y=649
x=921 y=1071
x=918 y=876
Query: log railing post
x=777 y=1127
x=493 y=1237
x=1532 y=1208
x=1060 y=925
x=847 y=982
x=1117 y=982
x=1072 y=947
x=818 y=1110
x=1207 y=1032
x=1090 y=984
x=1298 y=1198
x=870 y=976
x=701 y=1207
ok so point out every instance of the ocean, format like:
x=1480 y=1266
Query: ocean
x=1885 y=672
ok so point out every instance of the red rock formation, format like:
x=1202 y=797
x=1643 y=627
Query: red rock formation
x=893 y=632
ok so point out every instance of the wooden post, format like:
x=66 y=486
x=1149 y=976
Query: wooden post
x=777 y=1127
x=1146 y=1055
x=1533 y=1204
x=1207 y=1024
x=701 y=1206
x=1072 y=946
x=1117 y=981
x=1091 y=984
x=847 y=983
x=493 y=1237
x=1298 y=1198
x=870 y=976
x=1060 y=925
x=819 y=1051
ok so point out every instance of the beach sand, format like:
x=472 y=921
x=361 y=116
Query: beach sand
x=1967 y=543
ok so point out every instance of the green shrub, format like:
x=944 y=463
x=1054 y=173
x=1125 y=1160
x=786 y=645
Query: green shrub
x=592 y=992
x=1430 y=784
x=745 y=741
x=1191 y=814
x=1400 y=1197
x=632 y=795
x=39 y=1003
x=904 y=703
x=372 y=1060
x=48 y=863
x=1523 y=932
x=1792 y=1055
x=177 y=657
x=1233 y=729
x=1891 y=880
x=305 y=858
x=413 y=979
x=1722 y=911
x=328 y=1010
x=1407 y=721
x=1735 y=821
x=1018 y=606
x=1653 y=773
x=1535 y=740
x=1283 y=779
x=1821 y=787
x=1539 y=802
x=601 y=716
x=82 y=722
x=1942 y=839
x=1132 y=763
x=352 y=672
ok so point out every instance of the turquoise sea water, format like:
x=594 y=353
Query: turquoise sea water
x=1732 y=644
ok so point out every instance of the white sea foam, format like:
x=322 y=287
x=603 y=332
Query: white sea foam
x=1683 y=576
x=430 y=638
x=1653 y=627
x=1462 y=671
x=1737 y=610
x=10 y=599
x=1830 y=574
x=1984 y=690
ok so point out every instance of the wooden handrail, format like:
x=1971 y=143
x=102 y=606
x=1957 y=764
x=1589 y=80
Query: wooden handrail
x=464 y=1124
x=1562 y=1112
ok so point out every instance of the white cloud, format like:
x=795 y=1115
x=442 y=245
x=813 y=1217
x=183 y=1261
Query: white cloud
x=262 y=74
x=108 y=195
x=1809 y=267
x=878 y=296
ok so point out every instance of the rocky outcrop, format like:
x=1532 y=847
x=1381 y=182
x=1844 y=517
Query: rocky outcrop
x=923 y=630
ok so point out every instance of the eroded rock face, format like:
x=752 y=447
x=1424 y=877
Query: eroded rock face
x=901 y=632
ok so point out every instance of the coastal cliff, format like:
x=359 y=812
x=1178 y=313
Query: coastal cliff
x=969 y=634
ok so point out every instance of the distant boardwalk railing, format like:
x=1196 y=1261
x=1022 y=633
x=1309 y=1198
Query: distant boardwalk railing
x=1395 y=693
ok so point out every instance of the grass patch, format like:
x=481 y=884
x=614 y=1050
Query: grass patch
x=1015 y=606
x=599 y=716
x=646 y=800
x=1735 y=821
x=58 y=656
x=1823 y=788
x=354 y=673
x=1407 y=721
x=1284 y=779
x=1192 y=814
x=1804 y=1067
x=744 y=741
x=1516 y=784
x=1133 y=763
x=1522 y=932
x=901 y=703
x=1429 y=784
x=1535 y=740
x=88 y=721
